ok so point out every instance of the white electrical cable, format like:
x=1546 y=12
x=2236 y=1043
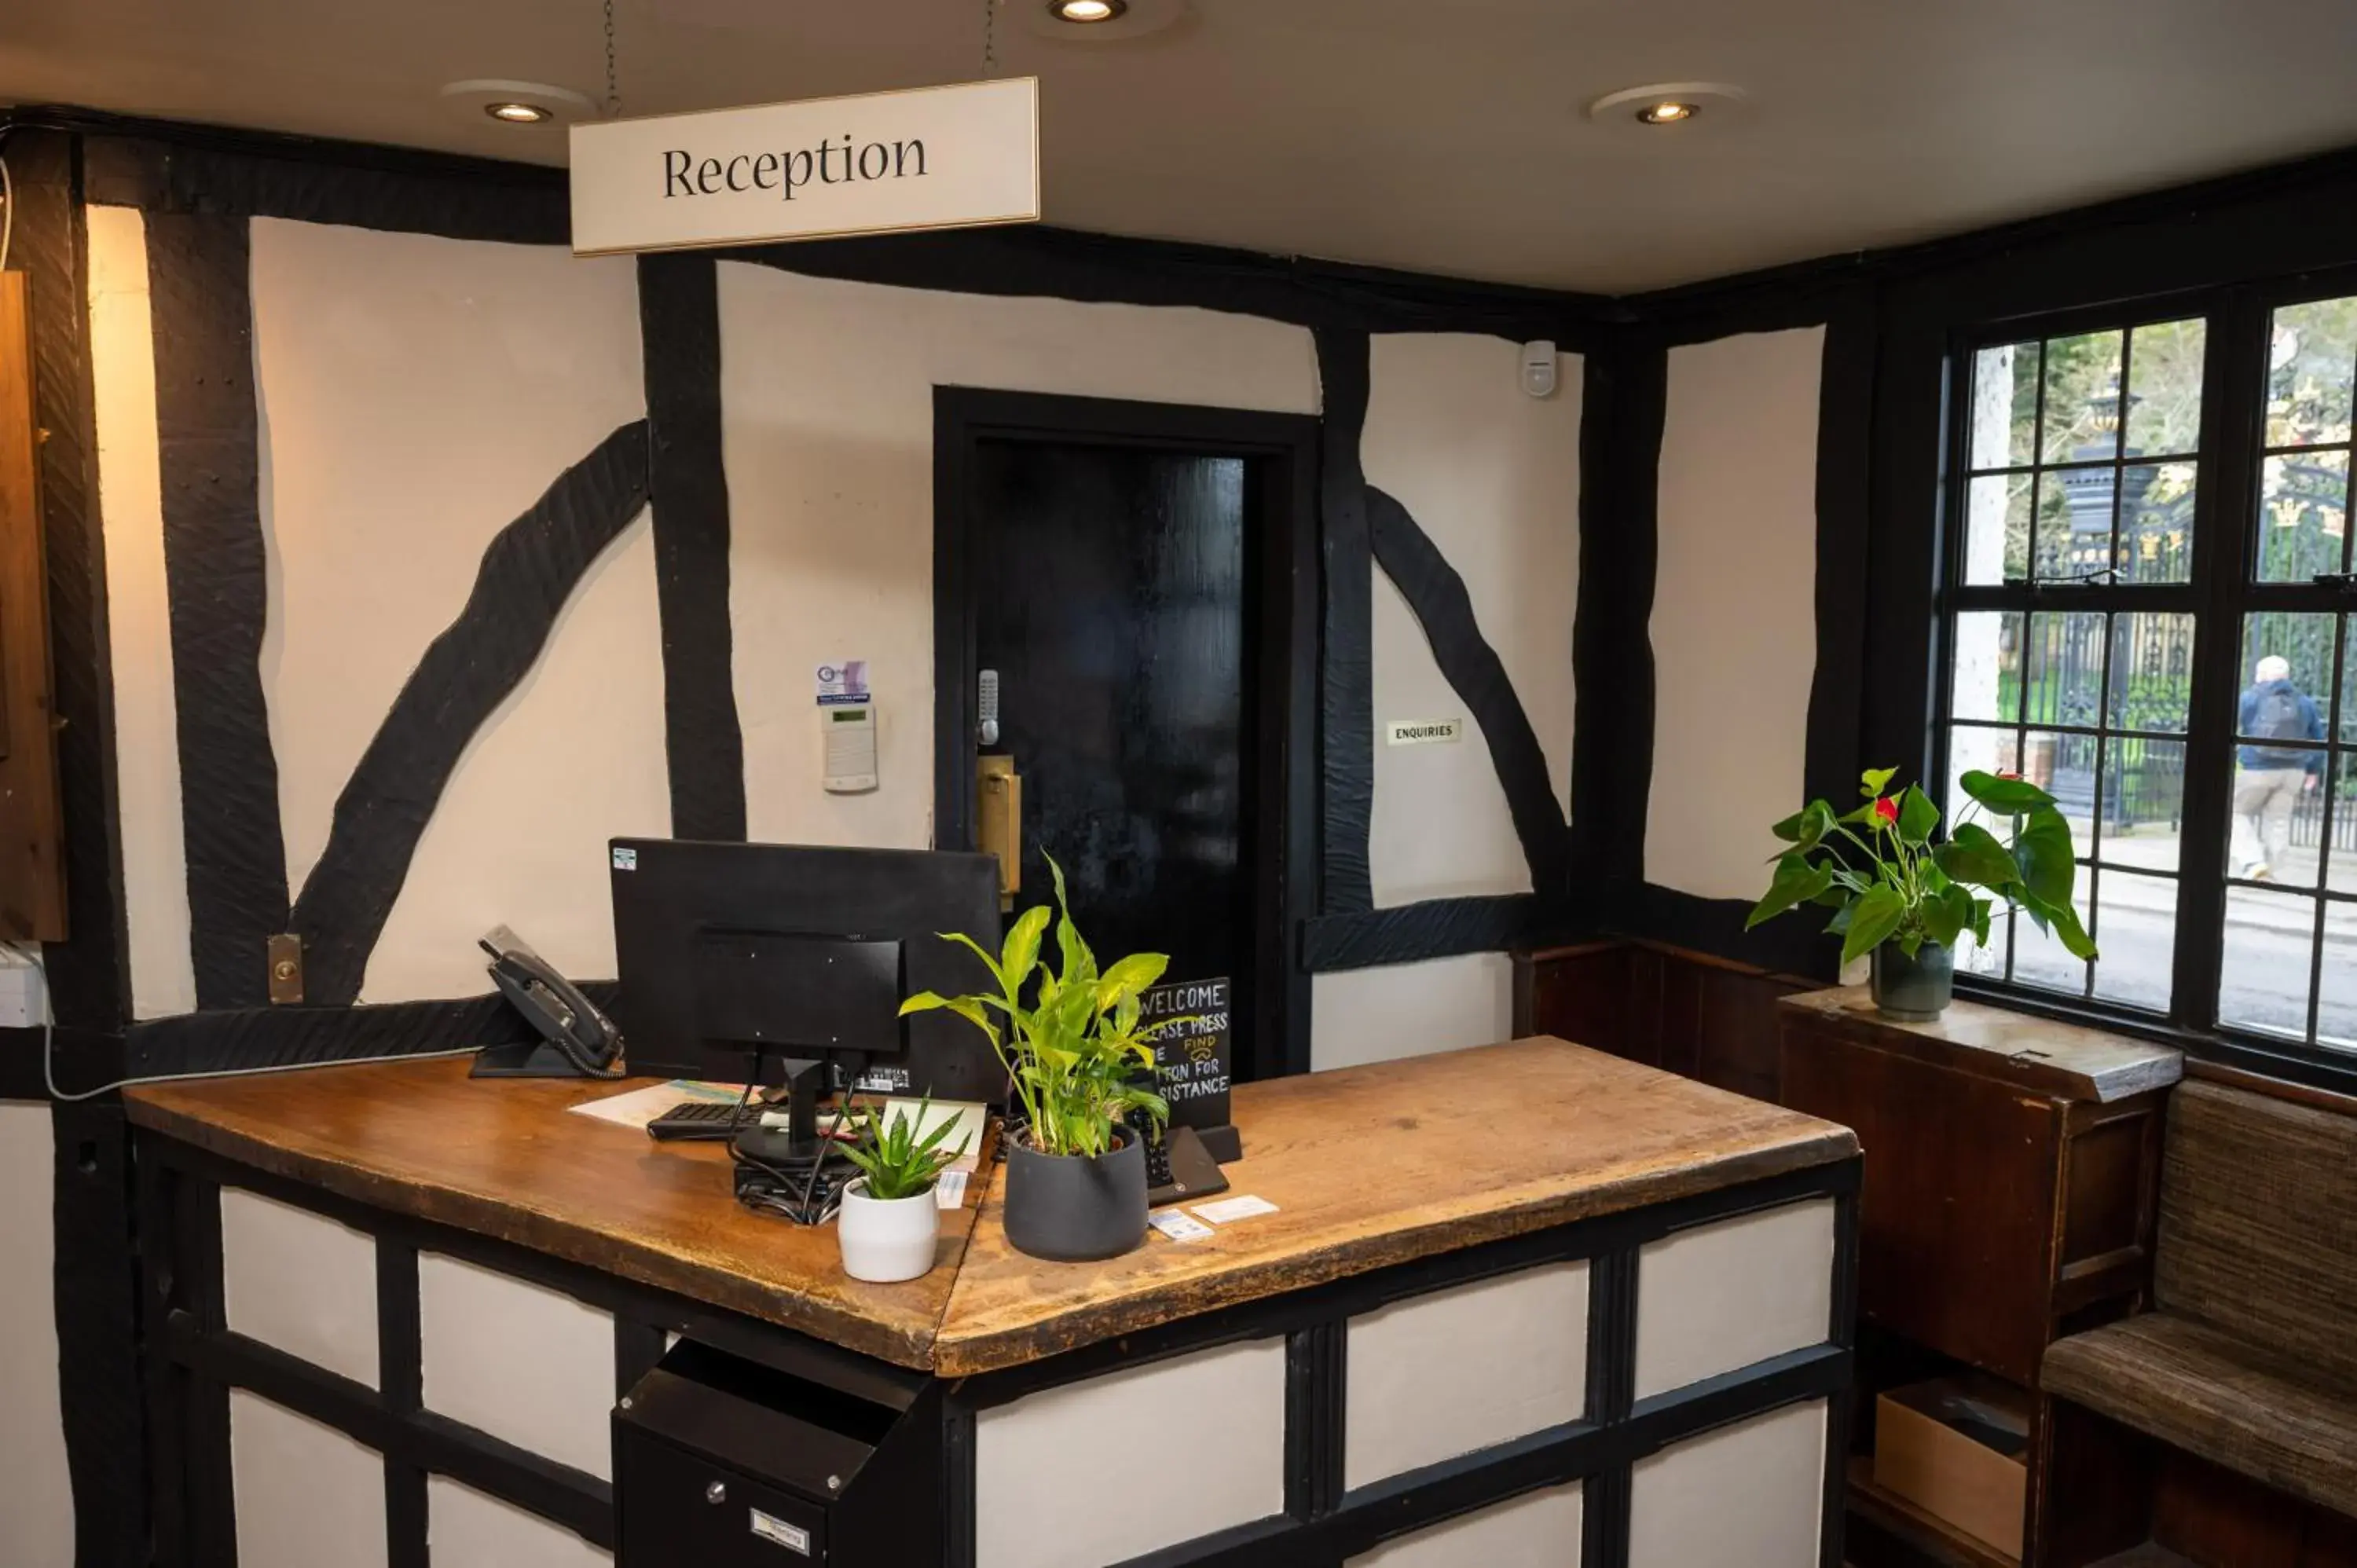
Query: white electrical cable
x=48 y=1073
x=8 y=218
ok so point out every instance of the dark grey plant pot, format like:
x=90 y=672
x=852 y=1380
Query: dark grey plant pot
x=1072 y=1210
x=1914 y=990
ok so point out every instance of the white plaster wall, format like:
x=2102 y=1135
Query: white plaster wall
x=131 y=516
x=1746 y=1496
x=1719 y=1298
x=306 y=1496
x=1410 y=1009
x=300 y=1282
x=1491 y=475
x=1444 y=1374
x=1541 y=1530
x=468 y=1529
x=417 y=394
x=517 y=1360
x=1216 y=1417
x=1734 y=627
x=36 y=1494
x=826 y=390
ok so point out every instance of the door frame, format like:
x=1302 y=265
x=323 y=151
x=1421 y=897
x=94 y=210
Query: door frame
x=1282 y=534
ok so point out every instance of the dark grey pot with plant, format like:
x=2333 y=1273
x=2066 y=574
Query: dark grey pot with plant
x=1908 y=901
x=1075 y=1052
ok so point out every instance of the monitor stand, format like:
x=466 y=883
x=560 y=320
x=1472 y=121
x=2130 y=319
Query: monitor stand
x=803 y=1081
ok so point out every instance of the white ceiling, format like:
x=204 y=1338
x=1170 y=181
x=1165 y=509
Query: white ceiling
x=1444 y=135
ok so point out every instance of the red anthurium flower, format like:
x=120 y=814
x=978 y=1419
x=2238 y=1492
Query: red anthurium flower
x=1887 y=809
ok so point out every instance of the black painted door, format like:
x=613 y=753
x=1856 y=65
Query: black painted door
x=1111 y=595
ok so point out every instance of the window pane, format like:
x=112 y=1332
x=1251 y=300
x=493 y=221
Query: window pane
x=2152 y=672
x=2082 y=398
x=2336 y=1011
x=2144 y=804
x=2303 y=515
x=1997 y=529
x=2039 y=958
x=2349 y=682
x=1986 y=679
x=2165 y=387
x=2262 y=983
x=1988 y=962
x=2341 y=869
x=2272 y=834
x=2155 y=542
x=2064 y=667
x=1972 y=750
x=2075 y=521
x=2287 y=676
x=2064 y=767
x=2005 y=405
x=2311 y=361
x=2136 y=935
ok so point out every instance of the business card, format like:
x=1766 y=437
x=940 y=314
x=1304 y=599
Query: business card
x=1179 y=1225
x=1229 y=1209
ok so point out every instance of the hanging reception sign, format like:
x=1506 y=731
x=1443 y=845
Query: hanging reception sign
x=884 y=163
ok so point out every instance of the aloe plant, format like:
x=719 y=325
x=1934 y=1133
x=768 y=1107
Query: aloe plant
x=1075 y=1050
x=896 y=1161
x=1885 y=881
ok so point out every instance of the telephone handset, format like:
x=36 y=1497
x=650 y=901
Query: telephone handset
x=577 y=1040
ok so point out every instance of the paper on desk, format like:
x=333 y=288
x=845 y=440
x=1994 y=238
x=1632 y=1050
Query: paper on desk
x=1228 y=1210
x=637 y=1107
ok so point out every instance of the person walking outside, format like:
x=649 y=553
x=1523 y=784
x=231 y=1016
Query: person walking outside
x=2271 y=779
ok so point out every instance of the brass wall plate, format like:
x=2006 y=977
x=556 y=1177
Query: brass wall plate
x=285 y=969
x=999 y=820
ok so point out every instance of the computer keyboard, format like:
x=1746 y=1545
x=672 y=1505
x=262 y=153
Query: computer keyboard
x=708 y=1121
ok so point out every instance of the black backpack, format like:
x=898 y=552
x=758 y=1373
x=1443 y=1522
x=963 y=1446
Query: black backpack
x=2281 y=715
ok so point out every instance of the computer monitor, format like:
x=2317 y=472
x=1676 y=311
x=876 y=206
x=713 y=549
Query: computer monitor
x=737 y=959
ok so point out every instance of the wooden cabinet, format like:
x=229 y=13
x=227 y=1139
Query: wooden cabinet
x=2010 y=1187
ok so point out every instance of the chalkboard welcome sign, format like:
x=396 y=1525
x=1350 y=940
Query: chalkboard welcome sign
x=1192 y=1056
x=939 y=157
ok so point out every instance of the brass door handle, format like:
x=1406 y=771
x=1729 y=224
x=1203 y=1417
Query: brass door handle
x=998 y=801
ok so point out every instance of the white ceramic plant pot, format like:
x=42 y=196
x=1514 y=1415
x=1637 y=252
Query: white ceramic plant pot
x=884 y=1239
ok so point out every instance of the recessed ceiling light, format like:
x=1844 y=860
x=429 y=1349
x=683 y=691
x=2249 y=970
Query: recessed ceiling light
x=1638 y=110
x=1087 y=11
x=517 y=102
x=1098 y=22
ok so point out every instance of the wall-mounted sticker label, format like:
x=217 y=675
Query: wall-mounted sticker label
x=625 y=859
x=843 y=681
x=1424 y=732
x=792 y=1537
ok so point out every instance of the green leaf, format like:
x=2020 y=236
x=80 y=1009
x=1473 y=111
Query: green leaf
x=1973 y=855
x=1128 y=977
x=2006 y=797
x=1877 y=916
x=1981 y=909
x=989 y=963
x=1946 y=915
x=1796 y=882
x=1806 y=828
x=2043 y=852
x=2063 y=921
x=1021 y=952
x=923 y=1001
x=1917 y=816
x=1875 y=780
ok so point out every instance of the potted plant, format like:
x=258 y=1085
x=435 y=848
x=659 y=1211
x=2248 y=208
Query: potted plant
x=1906 y=900
x=889 y=1217
x=1076 y=1175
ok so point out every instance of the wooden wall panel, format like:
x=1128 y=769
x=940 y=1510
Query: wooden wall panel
x=1698 y=1016
x=32 y=868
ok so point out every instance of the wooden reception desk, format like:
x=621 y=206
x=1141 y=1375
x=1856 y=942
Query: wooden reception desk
x=1524 y=1298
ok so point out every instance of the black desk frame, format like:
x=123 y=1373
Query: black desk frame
x=193 y=1360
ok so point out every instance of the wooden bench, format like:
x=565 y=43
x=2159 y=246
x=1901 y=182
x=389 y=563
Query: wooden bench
x=2248 y=1362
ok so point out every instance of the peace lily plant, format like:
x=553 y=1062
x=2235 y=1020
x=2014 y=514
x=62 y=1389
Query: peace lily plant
x=1081 y=1062
x=1898 y=895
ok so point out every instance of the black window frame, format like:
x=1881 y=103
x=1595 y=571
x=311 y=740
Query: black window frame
x=2223 y=592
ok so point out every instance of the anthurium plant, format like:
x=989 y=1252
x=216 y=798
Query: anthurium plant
x=896 y=1162
x=1076 y=1050
x=1885 y=881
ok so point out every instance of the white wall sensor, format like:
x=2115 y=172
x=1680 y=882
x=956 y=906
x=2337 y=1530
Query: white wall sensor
x=1538 y=368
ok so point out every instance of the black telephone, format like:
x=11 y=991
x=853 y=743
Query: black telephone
x=577 y=1040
